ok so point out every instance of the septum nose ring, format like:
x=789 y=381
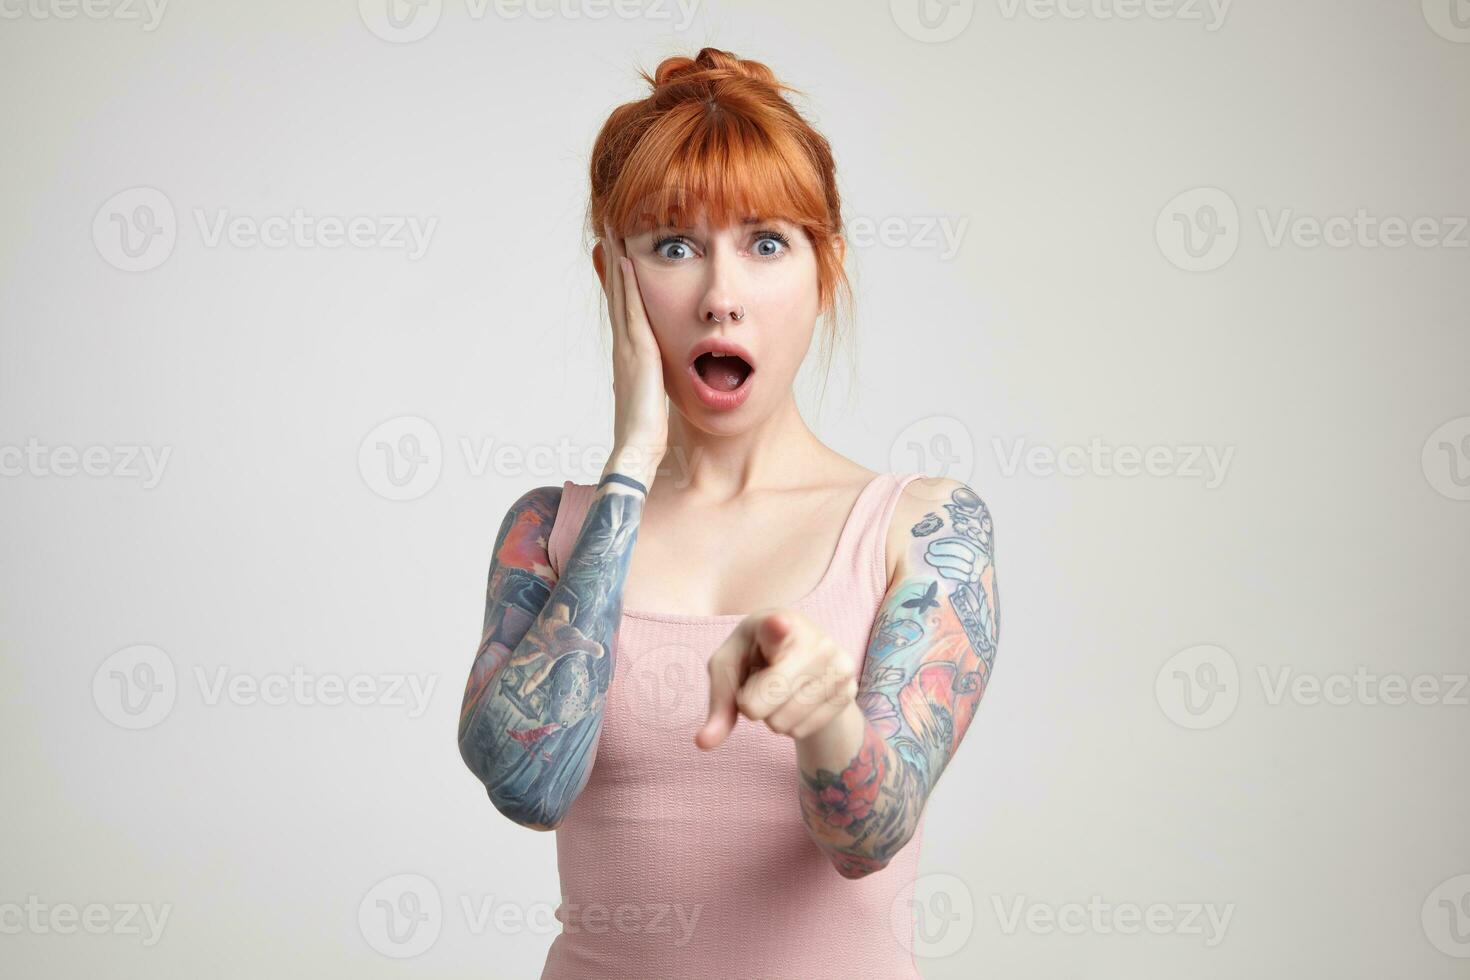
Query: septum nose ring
x=737 y=317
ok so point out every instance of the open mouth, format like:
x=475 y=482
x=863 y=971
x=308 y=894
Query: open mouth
x=722 y=372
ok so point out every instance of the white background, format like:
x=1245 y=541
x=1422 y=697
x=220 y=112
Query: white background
x=1334 y=542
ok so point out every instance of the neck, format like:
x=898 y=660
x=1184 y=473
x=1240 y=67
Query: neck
x=768 y=454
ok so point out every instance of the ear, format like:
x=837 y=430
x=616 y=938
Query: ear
x=599 y=262
x=839 y=245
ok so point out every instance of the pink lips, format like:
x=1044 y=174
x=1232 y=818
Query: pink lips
x=713 y=397
x=720 y=400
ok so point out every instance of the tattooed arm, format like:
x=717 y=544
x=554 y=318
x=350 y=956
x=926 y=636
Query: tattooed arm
x=929 y=658
x=533 y=707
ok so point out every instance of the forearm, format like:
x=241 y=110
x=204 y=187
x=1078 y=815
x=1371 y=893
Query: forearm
x=860 y=798
x=531 y=734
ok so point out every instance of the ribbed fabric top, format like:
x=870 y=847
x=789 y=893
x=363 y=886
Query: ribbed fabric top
x=680 y=863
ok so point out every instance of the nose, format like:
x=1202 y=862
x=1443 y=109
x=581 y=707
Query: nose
x=721 y=298
x=737 y=316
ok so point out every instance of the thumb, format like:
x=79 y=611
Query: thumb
x=723 y=711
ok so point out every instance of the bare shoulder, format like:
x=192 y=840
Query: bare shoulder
x=524 y=538
x=928 y=506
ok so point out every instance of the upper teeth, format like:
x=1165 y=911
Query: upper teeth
x=715 y=353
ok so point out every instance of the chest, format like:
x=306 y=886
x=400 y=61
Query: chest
x=733 y=561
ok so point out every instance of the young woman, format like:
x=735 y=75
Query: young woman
x=733 y=727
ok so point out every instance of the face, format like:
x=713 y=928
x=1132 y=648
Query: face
x=695 y=281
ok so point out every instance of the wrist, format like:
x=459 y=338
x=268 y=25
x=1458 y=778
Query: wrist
x=640 y=464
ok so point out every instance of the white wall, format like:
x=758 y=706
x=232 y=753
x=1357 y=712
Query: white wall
x=1330 y=540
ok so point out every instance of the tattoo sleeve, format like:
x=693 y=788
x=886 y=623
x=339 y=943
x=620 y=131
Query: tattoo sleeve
x=928 y=660
x=533 y=706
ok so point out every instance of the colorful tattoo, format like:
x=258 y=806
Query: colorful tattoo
x=533 y=706
x=929 y=658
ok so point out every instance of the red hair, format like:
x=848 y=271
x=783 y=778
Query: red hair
x=717 y=132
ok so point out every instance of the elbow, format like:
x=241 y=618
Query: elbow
x=856 y=865
x=526 y=808
x=533 y=815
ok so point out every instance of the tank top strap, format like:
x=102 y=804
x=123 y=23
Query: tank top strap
x=863 y=547
x=571 y=512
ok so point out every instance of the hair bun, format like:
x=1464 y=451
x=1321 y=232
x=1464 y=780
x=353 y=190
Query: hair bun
x=710 y=67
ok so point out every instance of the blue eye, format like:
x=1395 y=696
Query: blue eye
x=669 y=239
x=763 y=239
x=771 y=236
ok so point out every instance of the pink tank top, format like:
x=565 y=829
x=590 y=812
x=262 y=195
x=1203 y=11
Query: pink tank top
x=680 y=863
